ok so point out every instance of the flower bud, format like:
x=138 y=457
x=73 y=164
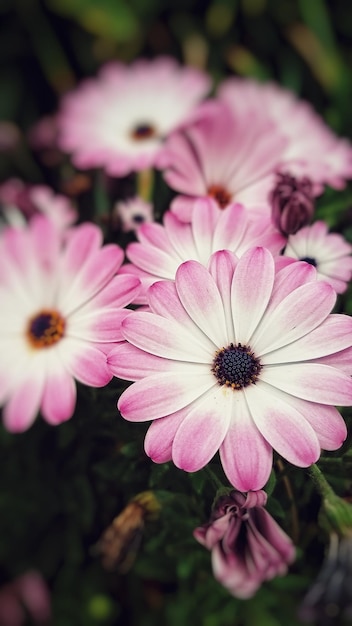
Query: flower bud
x=292 y=203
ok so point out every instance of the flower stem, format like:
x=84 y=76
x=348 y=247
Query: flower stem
x=320 y=482
x=145 y=184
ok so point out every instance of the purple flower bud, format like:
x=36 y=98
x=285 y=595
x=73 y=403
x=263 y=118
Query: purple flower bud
x=292 y=203
x=247 y=545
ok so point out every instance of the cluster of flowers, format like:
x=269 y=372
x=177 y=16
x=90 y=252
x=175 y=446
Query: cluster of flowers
x=233 y=347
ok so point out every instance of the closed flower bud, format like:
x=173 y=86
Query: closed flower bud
x=247 y=545
x=292 y=203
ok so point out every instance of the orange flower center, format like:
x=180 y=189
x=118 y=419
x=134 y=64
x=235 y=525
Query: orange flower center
x=45 y=329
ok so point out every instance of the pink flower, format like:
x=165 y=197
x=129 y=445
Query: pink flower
x=240 y=359
x=133 y=213
x=119 y=120
x=20 y=202
x=328 y=252
x=61 y=308
x=312 y=149
x=27 y=591
x=247 y=545
x=161 y=249
x=223 y=157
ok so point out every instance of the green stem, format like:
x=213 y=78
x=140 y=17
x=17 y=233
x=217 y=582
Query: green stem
x=214 y=479
x=320 y=482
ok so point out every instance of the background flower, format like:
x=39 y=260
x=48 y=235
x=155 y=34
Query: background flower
x=330 y=253
x=119 y=120
x=61 y=309
x=220 y=156
x=161 y=249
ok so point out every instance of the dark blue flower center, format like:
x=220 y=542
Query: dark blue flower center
x=236 y=366
x=310 y=260
x=45 y=329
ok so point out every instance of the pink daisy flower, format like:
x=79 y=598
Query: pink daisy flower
x=247 y=545
x=132 y=213
x=239 y=359
x=330 y=254
x=312 y=148
x=223 y=157
x=162 y=249
x=61 y=308
x=20 y=202
x=119 y=120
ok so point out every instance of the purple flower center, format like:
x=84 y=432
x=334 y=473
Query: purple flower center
x=139 y=219
x=236 y=366
x=143 y=131
x=310 y=260
x=45 y=329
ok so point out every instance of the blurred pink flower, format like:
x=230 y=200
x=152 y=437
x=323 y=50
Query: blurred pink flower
x=120 y=119
x=61 y=308
x=161 y=249
x=312 y=148
x=10 y=136
x=230 y=358
x=330 y=254
x=247 y=545
x=133 y=213
x=27 y=592
x=223 y=157
x=19 y=202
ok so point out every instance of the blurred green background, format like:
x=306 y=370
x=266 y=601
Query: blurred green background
x=60 y=488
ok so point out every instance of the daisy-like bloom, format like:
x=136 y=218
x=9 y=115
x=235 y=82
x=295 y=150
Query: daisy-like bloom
x=247 y=545
x=61 y=308
x=237 y=358
x=133 y=213
x=292 y=203
x=119 y=120
x=161 y=249
x=223 y=157
x=20 y=202
x=330 y=253
x=312 y=148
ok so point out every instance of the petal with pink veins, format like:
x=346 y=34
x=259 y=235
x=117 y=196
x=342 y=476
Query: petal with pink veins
x=251 y=290
x=163 y=393
x=202 y=431
x=160 y=436
x=310 y=381
x=285 y=429
x=201 y=298
x=245 y=455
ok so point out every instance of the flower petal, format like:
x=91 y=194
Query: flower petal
x=162 y=394
x=160 y=435
x=85 y=362
x=282 y=426
x=202 y=431
x=201 y=299
x=311 y=381
x=165 y=337
x=245 y=455
x=59 y=397
x=296 y=315
x=22 y=407
x=251 y=290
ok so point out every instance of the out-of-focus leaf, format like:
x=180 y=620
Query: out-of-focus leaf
x=110 y=18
